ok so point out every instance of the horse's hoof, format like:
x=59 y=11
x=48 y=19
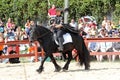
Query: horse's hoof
x=87 y=68
x=58 y=69
x=39 y=71
x=64 y=70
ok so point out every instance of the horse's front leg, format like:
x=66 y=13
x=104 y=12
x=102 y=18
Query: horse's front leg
x=57 y=67
x=40 y=69
x=66 y=66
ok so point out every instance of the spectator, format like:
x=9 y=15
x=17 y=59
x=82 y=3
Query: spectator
x=24 y=36
x=101 y=48
x=32 y=24
x=9 y=23
x=13 y=27
x=114 y=33
x=93 y=46
x=5 y=38
x=104 y=46
x=11 y=35
x=108 y=26
x=31 y=49
x=18 y=33
x=92 y=24
x=113 y=25
x=80 y=24
x=73 y=24
x=82 y=32
x=52 y=11
x=93 y=31
x=13 y=60
x=87 y=29
x=116 y=48
x=104 y=22
x=1 y=46
x=27 y=27
x=1 y=26
x=2 y=50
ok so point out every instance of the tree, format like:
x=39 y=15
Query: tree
x=21 y=10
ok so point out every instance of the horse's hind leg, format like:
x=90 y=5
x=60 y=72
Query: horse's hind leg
x=57 y=67
x=66 y=66
x=87 y=63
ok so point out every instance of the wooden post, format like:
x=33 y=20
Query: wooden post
x=36 y=52
x=66 y=12
x=42 y=53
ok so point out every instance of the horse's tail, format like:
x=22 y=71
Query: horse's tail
x=85 y=56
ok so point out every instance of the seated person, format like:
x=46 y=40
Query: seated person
x=116 y=48
x=93 y=46
x=1 y=46
x=59 y=30
x=52 y=12
x=73 y=24
x=106 y=47
x=59 y=35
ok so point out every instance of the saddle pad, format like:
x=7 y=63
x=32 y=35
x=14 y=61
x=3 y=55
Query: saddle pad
x=67 y=38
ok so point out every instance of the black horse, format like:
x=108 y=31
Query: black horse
x=45 y=37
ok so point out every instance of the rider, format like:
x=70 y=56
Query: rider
x=59 y=35
x=57 y=25
x=59 y=31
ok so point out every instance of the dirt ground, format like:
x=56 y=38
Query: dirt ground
x=27 y=71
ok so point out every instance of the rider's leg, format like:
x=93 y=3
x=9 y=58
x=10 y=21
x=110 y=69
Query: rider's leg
x=60 y=40
x=60 y=44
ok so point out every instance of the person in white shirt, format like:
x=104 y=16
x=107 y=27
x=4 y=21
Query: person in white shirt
x=104 y=46
x=73 y=24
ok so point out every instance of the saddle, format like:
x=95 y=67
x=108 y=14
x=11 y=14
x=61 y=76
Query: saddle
x=67 y=38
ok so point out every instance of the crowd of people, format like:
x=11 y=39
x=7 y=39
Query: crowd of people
x=107 y=28
x=10 y=32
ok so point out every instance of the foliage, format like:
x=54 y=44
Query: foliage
x=21 y=10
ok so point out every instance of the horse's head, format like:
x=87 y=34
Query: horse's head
x=38 y=33
x=32 y=36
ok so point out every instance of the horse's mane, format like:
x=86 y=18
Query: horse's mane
x=42 y=27
x=70 y=29
x=41 y=31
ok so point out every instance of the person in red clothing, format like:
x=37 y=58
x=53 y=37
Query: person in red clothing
x=52 y=11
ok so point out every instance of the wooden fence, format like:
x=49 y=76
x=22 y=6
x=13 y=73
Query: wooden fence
x=87 y=40
x=17 y=43
x=36 y=54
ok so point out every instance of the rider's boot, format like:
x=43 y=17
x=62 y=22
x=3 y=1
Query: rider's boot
x=60 y=44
